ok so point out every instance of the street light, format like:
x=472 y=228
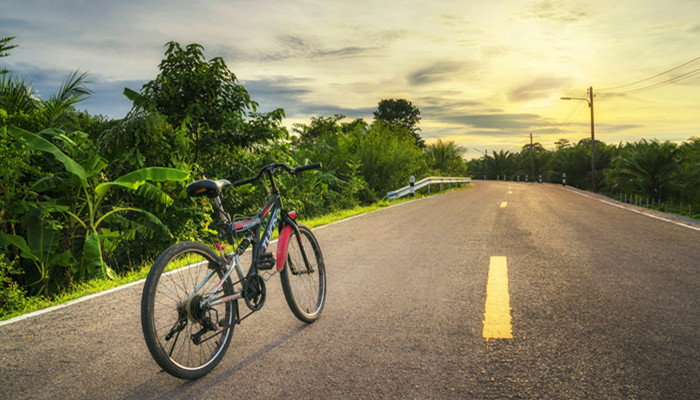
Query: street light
x=589 y=100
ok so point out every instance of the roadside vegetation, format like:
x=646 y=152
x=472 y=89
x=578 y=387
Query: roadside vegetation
x=87 y=202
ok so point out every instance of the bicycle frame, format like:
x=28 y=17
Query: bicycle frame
x=278 y=217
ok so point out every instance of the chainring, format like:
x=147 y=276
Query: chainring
x=254 y=292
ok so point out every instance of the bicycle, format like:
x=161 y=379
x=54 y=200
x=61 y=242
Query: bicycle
x=189 y=305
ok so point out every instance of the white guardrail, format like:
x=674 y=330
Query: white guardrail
x=411 y=188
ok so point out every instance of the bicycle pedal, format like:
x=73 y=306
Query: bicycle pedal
x=265 y=261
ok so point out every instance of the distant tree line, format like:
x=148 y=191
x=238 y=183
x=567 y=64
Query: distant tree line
x=650 y=169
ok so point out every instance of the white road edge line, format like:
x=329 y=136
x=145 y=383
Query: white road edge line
x=130 y=284
x=633 y=210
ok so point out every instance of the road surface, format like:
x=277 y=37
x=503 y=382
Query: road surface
x=587 y=301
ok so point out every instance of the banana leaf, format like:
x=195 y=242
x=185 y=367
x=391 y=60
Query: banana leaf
x=38 y=143
x=92 y=263
x=133 y=180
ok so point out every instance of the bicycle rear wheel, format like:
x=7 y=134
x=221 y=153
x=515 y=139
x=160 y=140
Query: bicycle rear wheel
x=187 y=341
x=304 y=280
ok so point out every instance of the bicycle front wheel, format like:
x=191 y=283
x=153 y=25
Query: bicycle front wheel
x=186 y=339
x=304 y=275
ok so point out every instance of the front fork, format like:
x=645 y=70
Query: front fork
x=287 y=227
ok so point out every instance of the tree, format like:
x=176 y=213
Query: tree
x=17 y=98
x=648 y=167
x=401 y=113
x=4 y=48
x=445 y=157
x=27 y=111
x=533 y=161
x=562 y=143
x=476 y=167
x=689 y=154
x=499 y=165
x=191 y=89
x=58 y=111
x=204 y=96
x=387 y=159
x=319 y=127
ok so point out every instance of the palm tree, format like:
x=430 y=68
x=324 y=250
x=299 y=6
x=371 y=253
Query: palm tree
x=4 y=48
x=17 y=96
x=57 y=111
x=445 y=157
x=689 y=153
x=18 y=99
x=500 y=164
x=650 y=167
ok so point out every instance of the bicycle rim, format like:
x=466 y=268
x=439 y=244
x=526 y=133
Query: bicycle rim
x=304 y=286
x=173 y=325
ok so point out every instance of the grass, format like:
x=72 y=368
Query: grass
x=100 y=285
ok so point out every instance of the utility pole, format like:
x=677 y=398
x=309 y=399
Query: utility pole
x=589 y=100
x=590 y=104
x=486 y=154
x=532 y=158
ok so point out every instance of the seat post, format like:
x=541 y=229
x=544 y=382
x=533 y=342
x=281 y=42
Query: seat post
x=220 y=209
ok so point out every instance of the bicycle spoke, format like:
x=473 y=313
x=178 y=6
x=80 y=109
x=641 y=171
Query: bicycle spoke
x=174 y=319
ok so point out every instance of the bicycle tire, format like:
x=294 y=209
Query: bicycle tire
x=305 y=292
x=164 y=306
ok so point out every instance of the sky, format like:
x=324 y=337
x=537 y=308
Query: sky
x=484 y=74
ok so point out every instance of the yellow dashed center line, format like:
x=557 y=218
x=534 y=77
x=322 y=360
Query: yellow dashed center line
x=504 y=204
x=497 y=319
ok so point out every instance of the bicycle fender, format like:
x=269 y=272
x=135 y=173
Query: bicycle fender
x=282 y=242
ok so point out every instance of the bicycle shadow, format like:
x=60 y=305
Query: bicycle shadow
x=153 y=387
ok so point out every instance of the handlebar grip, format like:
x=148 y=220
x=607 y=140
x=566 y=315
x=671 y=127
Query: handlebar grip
x=307 y=167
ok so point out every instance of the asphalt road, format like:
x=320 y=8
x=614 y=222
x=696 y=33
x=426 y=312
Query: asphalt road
x=604 y=304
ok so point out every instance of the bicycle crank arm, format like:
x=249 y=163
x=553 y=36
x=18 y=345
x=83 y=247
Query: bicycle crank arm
x=306 y=272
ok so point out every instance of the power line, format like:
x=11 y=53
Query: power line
x=575 y=111
x=661 y=84
x=674 y=79
x=573 y=114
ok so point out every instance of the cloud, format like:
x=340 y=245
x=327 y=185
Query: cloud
x=539 y=88
x=44 y=81
x=343 y=52
x=277 y=92
x=10 y=26
x=614 y=128
x=331 y=109
x=495 y=121
x=436 y=103
x=435 y=73
x=290 y=94
x=558 y=11
x=289 y=47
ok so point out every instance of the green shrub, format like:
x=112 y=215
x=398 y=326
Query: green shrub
x=12 y=296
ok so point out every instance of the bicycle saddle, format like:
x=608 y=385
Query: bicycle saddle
x=207 y=187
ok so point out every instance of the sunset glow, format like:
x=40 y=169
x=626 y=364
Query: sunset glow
x=484 y=74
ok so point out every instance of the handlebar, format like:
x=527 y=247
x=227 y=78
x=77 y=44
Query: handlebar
x=271 y=169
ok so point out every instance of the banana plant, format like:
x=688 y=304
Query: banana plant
x=86 y=192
